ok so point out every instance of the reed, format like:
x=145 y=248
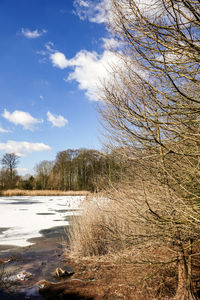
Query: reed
x=18 y=192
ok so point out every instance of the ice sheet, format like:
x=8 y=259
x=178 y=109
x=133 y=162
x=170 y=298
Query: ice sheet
x=26 y=216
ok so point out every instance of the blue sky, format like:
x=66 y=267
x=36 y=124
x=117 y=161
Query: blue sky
x=52 y=55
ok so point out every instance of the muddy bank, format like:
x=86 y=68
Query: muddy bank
x=93 y=279
x=39 y=259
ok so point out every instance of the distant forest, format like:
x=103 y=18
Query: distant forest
x=79 y=169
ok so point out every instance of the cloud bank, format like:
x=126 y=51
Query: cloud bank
x=23 y=148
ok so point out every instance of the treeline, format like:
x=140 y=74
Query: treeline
x=79 y=169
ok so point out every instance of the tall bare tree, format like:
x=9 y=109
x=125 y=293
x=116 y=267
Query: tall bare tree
x=151 y=108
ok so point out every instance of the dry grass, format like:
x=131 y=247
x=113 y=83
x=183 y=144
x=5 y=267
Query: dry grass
x=110 y=230
x=107 y=225
x=18 y=192
x=139 y=218
x=117 y=277
x=98 y=230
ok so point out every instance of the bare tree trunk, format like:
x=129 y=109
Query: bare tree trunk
x=184 y=289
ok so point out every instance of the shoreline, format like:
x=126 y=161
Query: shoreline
x=92 y=278
x=40 y=259
x=18 y=192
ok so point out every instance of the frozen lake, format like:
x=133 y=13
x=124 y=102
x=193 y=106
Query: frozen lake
x=22 y=217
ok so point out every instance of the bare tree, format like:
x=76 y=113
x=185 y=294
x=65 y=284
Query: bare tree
x=151 y=108
x=43 y=170
x=82 y=169
x=9 y=163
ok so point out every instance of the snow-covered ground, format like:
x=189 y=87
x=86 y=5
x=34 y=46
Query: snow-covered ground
x=25 y=216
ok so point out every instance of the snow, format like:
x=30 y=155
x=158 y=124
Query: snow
x=26 y=216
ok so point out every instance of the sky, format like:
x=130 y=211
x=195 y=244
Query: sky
x=53 y=54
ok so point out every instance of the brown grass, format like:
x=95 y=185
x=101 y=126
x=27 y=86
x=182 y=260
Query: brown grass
x=115 y=277
x=98 y=230
x=105 y=226
x=106 y=231
x=18 y=192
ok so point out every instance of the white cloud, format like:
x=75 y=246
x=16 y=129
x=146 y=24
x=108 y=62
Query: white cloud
x=57 y=121
x=83 y=3
x=22 y=148
x=111 y=43
x=93 y=10
x=41 y=52
x=2 y=130
x=50 y=46
x=59 y=60
x=100 y=11
x=89 y=69
x=21 y=118
x=32 y=34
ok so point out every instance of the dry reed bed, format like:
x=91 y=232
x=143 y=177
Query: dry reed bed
x=106 y=231
x=105 y=226
x=18 y=192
